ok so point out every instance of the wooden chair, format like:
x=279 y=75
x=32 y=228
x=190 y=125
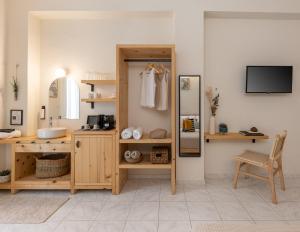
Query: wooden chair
x=271 y=163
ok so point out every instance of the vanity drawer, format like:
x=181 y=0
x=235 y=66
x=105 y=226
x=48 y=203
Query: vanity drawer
x=27 y=148
x=55 y=147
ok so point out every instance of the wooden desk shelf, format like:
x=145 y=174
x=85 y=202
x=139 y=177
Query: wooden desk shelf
x=233 y=136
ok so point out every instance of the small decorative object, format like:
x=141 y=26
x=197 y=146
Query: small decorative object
x=158 y=133
x=16 y=117
x=91 y=95
x=223 y=128
x=159 y=155
x=98 y=95
x=185 y=83
x=253 y=129
x=14 y=83
x=53 y=90
x=213 y=99
x=4 y=176
x=52 y=165
x=133 y=156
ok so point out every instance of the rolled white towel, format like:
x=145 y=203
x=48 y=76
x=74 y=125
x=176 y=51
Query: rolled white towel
x=138 y=133
x=14 y=134
x=127 y=155
x=136 y=155
x=127 y=133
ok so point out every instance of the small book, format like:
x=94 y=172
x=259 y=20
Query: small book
x=7 y=130
x=251 y=133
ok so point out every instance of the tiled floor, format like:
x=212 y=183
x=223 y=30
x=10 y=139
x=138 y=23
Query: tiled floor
x=146 y=205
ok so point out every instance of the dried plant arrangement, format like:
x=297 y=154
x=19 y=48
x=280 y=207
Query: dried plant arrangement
x=213 y=98
x=14 y=83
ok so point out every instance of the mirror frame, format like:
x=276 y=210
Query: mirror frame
x=179 y=125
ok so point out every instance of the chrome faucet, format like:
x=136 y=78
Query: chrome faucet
x=50 y=122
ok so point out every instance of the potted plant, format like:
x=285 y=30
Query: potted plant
x=4 y=176
x=213 y=98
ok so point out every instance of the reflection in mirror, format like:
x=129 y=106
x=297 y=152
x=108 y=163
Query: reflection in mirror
x=189 y=116
x=64 y=99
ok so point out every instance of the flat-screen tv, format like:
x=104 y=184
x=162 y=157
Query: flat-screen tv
x=269 y=79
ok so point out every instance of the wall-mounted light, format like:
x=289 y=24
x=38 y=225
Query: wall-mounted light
x=60 y=72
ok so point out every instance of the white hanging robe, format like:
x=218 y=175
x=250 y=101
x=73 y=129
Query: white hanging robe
x=148 y=88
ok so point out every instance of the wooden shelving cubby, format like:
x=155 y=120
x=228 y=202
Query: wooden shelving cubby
x=147 y=54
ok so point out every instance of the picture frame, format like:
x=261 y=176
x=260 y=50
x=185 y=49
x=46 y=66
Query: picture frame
x=16 y=117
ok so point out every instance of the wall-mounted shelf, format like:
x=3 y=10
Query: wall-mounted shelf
x=108 y=99
x=92 y=83
x=99 y=82
x=95 y=100
x=233 y=136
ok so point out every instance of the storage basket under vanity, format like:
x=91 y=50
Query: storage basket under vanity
x=159 y=155
x=52 y=165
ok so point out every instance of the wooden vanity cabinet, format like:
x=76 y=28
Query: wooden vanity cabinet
x=94 y=166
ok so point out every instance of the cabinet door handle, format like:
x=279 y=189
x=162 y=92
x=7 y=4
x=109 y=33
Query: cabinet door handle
x=77 y=144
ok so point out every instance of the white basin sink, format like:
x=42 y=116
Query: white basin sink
x=51 y=133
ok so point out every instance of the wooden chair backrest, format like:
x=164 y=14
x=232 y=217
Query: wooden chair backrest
x=278 y=145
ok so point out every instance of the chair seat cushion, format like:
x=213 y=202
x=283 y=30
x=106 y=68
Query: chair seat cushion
x=254 y=158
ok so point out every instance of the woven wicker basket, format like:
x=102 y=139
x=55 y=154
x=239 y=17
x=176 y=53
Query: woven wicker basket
x=159 y=155
x=52 y=165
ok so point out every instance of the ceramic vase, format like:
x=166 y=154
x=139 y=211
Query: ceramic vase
x=212 y=125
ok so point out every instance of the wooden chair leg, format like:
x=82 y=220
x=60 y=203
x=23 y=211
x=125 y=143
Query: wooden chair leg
x=237 y=173
x=248 y=166
x=272 y=185
x=280 y=173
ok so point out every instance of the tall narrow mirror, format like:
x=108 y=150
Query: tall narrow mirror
x=189 y=116
x=64 y=99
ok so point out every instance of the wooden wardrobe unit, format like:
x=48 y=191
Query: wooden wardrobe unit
x=147 y=54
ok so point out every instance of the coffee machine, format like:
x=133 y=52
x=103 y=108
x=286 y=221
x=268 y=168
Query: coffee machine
x=100 y=122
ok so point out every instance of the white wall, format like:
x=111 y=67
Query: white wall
x=2 y=58
x=189 y=39
x=84 y=45
x=2 y=72
x=231 y=44
x=33 y=77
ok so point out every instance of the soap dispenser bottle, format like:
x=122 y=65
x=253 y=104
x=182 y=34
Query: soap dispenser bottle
x=43 y=113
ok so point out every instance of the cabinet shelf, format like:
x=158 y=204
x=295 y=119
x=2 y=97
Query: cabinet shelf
x=99 y=82
x=144 y=165
x=32 y=182
x=146 y=139
x=5 y=185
